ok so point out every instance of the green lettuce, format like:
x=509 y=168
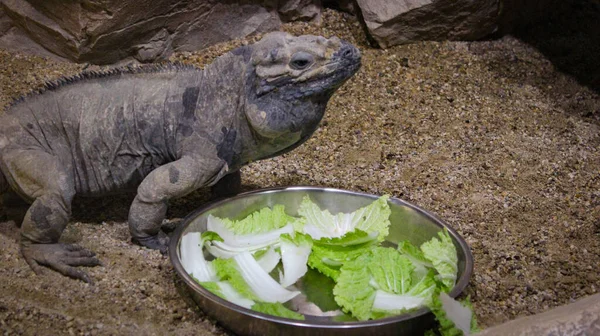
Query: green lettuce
x=227 y=270
x=442 y=254
x=276 y=309
x=234 y=243
x=192 y=257
x=381 y=283
x=455 y=318
x=268 y=260
x=419 y=295
x=225 y=291
x=353 y=291
x=329 y=259
x=261 y=221
x=368 y=281
x=211 y=286
x=415 y=255
x=322 y=224
x=329 y=254
x=247 y=277
x=357 y=237
x=391 y=271
x=294 y=256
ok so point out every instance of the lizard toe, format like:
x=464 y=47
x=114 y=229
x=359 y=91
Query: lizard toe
x=157 y=242
x=59 y=257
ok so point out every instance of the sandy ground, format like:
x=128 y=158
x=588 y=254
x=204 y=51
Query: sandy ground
x=499 y=138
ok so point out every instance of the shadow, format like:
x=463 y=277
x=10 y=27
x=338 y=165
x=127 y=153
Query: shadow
x=101 y=209
x=10 y=229
x=558 y=54
x=570 y=39
x=116 y=207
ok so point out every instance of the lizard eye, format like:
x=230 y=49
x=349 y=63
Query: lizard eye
x=301 y=60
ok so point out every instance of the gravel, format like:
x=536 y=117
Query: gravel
x=488 y=135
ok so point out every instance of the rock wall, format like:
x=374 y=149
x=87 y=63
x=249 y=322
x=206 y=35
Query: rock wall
x=390 y=23
x=397 y=22
x=107 y=31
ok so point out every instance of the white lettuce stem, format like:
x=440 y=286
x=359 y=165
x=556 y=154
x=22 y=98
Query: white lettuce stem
x=260 y=282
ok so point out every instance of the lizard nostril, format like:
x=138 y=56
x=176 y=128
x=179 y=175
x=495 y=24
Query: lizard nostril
x=347 y=53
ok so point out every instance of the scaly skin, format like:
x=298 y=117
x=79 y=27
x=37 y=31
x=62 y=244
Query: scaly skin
x=164 y=131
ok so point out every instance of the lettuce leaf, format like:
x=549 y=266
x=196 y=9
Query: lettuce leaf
x=225 y=291
x=455 y=318
x=391 y=271
x=353 y=238
x=419 y=295
x=233 y=242
x=261 y=221
x=352 y=291
x=329 y=259
x=442 y=254
x=247 y=277
x=322 y=224
x=211 y=286
x=415 y=255
x=227 y=270
x=192 y=257
x=425 y=287
x=268 y=260
x=294 y=256
x=394 y=304
x=276 y=309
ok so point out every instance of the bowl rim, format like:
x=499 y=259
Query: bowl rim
x=175 y=238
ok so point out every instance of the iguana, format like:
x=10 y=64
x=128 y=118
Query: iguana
x=163 y=130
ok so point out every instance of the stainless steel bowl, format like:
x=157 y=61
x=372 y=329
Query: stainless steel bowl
x=408 y=222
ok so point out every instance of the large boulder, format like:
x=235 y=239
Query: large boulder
x=581 y=317
x=403 y=21
x=108 y=31
x=390 y=23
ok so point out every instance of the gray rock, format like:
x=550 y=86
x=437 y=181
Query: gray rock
x=14 y=39
x=579 y=318
x=113 y=30
x=295 y=10
x=398 y=22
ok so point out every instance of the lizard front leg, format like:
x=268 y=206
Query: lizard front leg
x=173 y=180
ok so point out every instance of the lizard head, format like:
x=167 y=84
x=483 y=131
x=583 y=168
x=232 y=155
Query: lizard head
x=292 y=79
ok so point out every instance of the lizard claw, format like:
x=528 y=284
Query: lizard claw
x=62 y=258
x=157 y=242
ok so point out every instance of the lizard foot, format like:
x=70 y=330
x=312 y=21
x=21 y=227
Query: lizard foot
x=158 y=242
x=170 y=226
x=60 y=257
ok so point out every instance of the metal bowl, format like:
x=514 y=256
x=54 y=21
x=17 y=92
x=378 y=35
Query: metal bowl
x=323 y=317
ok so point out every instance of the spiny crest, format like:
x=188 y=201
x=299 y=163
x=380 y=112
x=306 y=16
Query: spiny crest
x=93 y=74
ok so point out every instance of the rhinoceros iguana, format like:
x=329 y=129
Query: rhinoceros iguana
x=166 y=130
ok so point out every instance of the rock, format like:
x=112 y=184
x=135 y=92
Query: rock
x=109 y=31
x=14 y=39
x=398 y=22
x=391 y=23
x=579 y=318
x=296 y=10
x=40 y=28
